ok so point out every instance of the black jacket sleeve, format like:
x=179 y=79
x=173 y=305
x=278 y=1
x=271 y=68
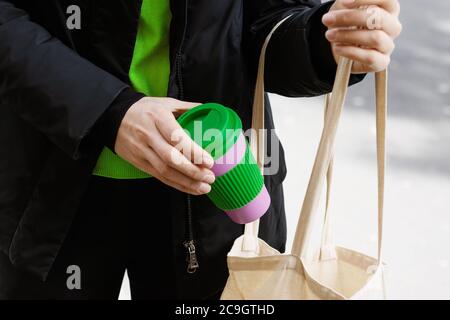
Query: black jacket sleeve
x=50 y=86
x=299 y=61
x=106 y=129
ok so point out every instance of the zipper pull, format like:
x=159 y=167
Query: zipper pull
x=191 y=257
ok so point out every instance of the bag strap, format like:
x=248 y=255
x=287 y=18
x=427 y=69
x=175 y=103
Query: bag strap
x=323 y=163
x=257 y=139
x=334 y=107
x=328 y=248
x=381 y=89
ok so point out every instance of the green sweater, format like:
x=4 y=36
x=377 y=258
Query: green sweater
x=149 y=74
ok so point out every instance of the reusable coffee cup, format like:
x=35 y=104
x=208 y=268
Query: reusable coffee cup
x=239 y=188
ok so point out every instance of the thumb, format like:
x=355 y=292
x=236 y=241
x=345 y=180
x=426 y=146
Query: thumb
x=183 y=106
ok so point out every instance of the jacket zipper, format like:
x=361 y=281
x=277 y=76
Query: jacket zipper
x=189 y=243
x=180 y=53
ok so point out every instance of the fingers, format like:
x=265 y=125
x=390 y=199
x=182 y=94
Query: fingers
x=347 y=18
x=180 y=107
x=368 y=60
x=184 y=188
x=191 y=150
x=172 y=158
x=155 y=166
x=175 y=135
x=364 y=31
x=144 y=140
x=373 y=39
x=392 y=6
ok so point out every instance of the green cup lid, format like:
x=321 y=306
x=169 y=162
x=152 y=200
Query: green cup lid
x=212 y=126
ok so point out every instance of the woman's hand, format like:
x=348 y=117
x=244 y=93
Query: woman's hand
x=148 y=137
x=364 y=31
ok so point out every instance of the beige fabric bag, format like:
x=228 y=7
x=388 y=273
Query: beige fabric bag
x=258 y=271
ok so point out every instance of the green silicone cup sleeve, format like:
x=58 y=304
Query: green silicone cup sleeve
x=239 y=186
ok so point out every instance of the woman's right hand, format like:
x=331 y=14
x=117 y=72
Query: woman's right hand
x=146 y=140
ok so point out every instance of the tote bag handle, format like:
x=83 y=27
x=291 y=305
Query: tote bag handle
x=324 y=160
x=257 y=138
x=327 y=248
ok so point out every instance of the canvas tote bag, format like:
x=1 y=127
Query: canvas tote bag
x=329 y=272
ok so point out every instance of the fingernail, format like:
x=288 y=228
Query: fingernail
x=328 y=18
x=204 y=188
x=208 y=161
x=209 y=179
x=330 y=35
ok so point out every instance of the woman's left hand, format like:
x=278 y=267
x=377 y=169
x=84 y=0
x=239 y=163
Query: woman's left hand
x=364 y=31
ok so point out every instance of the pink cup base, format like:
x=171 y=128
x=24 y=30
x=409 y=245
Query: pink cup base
x=253 y=210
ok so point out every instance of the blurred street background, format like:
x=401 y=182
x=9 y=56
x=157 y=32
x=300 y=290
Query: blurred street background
x=417 y=235
x=417 y=239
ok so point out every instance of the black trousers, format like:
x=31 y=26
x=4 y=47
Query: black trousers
x=117 y=228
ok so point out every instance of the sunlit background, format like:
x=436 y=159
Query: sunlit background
x=417 y=240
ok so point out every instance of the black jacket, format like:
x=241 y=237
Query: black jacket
x=63 y=93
